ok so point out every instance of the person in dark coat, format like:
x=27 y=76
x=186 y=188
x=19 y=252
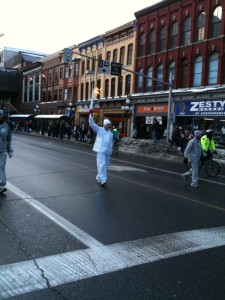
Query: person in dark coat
x=155 y=130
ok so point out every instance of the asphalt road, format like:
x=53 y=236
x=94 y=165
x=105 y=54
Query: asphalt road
x=146 y=235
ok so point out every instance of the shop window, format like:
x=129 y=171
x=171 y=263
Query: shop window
x=197 y=71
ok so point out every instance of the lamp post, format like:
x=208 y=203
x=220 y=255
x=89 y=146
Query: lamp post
x=127 y=112
x=37 y=110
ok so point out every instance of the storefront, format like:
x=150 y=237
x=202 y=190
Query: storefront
x=202 y=115
x=144 y=114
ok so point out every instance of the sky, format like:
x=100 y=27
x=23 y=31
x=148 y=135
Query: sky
x=49 y=26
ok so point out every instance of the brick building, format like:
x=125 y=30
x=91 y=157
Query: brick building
x=184 y=38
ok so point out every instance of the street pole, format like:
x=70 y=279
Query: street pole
x=169 y=110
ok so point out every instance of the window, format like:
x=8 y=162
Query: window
x=162 y=38
x=87 y=90
x=149 y=81
x=108 y=56
x=171 y=70
x=140 y=81
x=56 y=74
x=82 y=92
x=197 y=71
x=200 y=27
x=151 y=42
x=213 y=68
x=142 y=44
x=70 y=93
x=60 y=95
x=120 y=86
x=61 y=73
x=122 y=55
x=216 y=22
x=128 y=85
x=113 y=87
x=93 y=63
x=65 y=94
x=173 y=35
x=50 y=76
x=49 y=95
x=184 y=73
x=70 y=70
x=106 y=88
x=129 y=54
x=159 y=84
x=82 y=67
x=88 y=65
x=55 y=95
x=76 y=69
x=115 y=54
x=187 y=31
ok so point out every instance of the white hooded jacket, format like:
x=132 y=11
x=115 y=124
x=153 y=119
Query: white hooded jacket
x=104 y=138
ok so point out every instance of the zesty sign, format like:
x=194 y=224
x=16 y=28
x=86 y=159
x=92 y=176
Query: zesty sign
x=201 y=108
x=152 y=109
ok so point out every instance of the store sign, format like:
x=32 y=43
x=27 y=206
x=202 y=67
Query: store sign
x=152 y=109
x=201 y=108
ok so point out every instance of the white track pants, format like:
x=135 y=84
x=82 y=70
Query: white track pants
x=102 y=166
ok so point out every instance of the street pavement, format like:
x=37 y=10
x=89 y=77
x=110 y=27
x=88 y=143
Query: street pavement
x=146 y=235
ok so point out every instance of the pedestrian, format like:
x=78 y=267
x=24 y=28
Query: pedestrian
x=192 y=154
x=208 y=145
x=155 y=130
x=103 y=147
x=5 y=148
x=176 y=137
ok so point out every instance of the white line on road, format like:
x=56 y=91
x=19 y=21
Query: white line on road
x=25 y=277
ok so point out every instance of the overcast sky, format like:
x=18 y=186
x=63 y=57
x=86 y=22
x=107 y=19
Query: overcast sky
x=48 y=26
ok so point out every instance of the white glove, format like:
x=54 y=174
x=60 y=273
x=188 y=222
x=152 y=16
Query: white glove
x=10 y=154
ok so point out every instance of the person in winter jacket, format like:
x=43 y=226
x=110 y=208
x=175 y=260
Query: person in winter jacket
x=193 y=153
x=5 y=148
x=208 y=144
x=103 y=147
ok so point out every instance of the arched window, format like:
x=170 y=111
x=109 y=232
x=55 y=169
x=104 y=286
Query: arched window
x=129 y=54
x=151 y=42
x=120 y=86
x=173 y=35
x=171 y=70
x=115 y=54
x=113 y=87
x=142 y=44
x=140 y=81
x=159 y=84
x=128 y=85
x=162 y=38
x=184 y=73
x=106 y=88
x=197 y=81
x=200 y=27
x=187 y=31
x=122 y=55
x=213 y=68
x=216 y=22
x=149 y=81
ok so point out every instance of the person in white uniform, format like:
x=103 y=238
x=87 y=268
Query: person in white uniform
x=103 y=147
x=5 y=148
x=193 y=153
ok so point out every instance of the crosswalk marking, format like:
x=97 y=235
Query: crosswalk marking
x=51 y=271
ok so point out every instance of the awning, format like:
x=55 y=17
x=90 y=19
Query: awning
x=21 y=116
x=31 y=57
x=49 y=116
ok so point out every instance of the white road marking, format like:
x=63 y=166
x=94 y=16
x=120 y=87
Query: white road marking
x=124 y=168
x=29 y=276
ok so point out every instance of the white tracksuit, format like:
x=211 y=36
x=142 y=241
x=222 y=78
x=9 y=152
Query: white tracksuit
x=103 y=147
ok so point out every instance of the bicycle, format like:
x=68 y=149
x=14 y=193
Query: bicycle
x=212 y=167
x=115 y=148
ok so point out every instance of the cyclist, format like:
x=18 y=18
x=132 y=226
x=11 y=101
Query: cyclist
x=208 y=145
